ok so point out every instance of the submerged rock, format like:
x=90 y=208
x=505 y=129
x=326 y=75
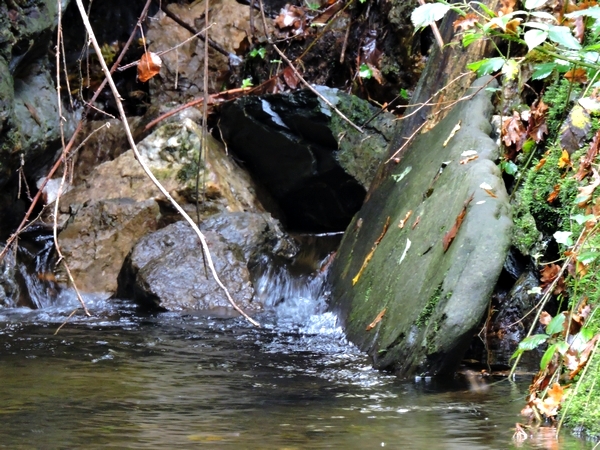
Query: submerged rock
x=166 y=268
x=313 y=164
x=398 y=258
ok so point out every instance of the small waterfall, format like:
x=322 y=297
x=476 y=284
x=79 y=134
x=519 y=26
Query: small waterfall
x=296 y=292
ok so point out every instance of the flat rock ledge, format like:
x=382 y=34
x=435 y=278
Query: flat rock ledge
x=432 y=299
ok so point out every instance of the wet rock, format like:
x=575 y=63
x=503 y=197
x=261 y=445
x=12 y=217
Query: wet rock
x=99 y=237
x=9 y=288
x=434 y=298
x=290 y=143
x=166 y=268
x=28 y=99
x=103 y=217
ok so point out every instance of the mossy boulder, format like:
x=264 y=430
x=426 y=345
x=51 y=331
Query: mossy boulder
x=393 y=257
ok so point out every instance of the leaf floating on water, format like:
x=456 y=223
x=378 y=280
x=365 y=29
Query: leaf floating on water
x=452 y=133
x=377 y=320
x=370 y=254
x=451 y=234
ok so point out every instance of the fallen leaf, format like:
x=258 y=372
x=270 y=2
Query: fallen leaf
x=376 y=320
x=554 y=194
x=148 y=66
x=507 y=7
x=290 y=77
x=586 y=192
x=466 y=22
x=540 y=164
x=452 y=133
x=370 y=254
x=565 y=160
x=576 y=75
x=451 y=234
x=585 y=163
x=469 y=159
x=403 y=221
x=579 y=28
x=513 y=131
x=575 y=129
x=549 y=273
x=545 y=318
x=536 y=125
x=417 y=220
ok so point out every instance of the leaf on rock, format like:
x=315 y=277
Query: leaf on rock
x=451 y=234
x=376 y=320
x=575 y=129
x=403 y=221
x=370 y=254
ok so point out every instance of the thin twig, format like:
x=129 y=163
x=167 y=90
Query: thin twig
x=300 y=77
x=436 y=31
x=63 y=158
x=65 y=322
x=150 y=175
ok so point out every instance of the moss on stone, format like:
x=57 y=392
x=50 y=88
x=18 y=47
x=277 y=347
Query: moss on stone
x=429 y=309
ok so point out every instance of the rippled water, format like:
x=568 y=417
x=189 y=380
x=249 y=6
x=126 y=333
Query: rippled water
x=124 y=380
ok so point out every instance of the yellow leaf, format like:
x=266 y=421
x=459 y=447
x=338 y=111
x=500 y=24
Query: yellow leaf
x=565 y=160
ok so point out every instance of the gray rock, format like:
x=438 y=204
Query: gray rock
x=433 y=299
x=166 y=269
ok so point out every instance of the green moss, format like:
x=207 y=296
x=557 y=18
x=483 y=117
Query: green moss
x=558 y=97
x=427 y=312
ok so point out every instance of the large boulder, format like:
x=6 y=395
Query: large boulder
x=398 y=261
x=313 y=163
x=103 y=217
x=166 y=268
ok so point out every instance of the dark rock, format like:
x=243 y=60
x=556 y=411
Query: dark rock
x=166 y=268
x=433 y=298
x=290 y=143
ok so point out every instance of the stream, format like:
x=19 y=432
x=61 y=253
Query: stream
x=124 y=378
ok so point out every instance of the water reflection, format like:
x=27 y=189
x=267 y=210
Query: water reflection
x=184 y=381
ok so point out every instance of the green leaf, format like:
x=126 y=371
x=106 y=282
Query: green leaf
x=548 y=354
x=247 y=83
x=471 y=36
x=543 y=70
x=556 y=325
x=532 y=4
x=509 y=167
x=510 y=69
x=486 y=66
x=535 y=38
x=532 y=342
x=581 y=219
x=593 y=12
x=528 y=145
x=588 y=257
x=258 y=52
x=581 y=339
x=428 y=13
x=563 y=237
x=543 y=15
x=365 y=71
x=485 y=9
x=562 y=347
x=404 y=94
x=564 y=37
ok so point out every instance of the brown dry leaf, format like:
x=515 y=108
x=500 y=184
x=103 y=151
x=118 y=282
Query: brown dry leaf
x=290 y=77
x=539 y=165
x=579 y=28
x=585 y=163
x=376 y=320
x=417 y=220
x=548 y=275
x=451 y=234
x=331 y=9
x=545 y=318
x=466 y=22
x=513 y=131
x=537 y=127
x=490 y=193
x=583 y=356
x=291 y=18
x=370 y=254
x=549 y=406
x=576 y=76
x=512 y=27
x=403 y=221
x=565 y=160
x=469 y=159
x=148 y=66
x=507 y=7
x=554 y=194
x=586 y=192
